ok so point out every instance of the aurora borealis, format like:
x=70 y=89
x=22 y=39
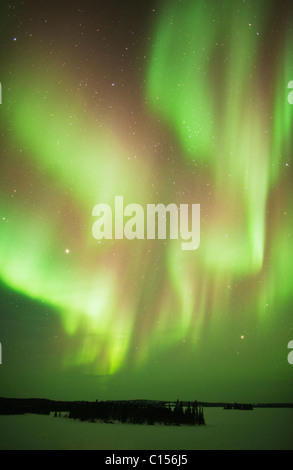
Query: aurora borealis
x=182 y=102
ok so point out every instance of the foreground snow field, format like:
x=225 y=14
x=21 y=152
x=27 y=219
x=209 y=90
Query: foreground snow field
x=258 y=429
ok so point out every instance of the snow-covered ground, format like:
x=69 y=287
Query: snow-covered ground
x=258 y=429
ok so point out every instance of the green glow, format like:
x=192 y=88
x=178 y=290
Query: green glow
x=86 y=300
x=86 y=166
x=235 y=137
x=74 y=149
x=282 y=136
x=278 y=280
x=220 y=118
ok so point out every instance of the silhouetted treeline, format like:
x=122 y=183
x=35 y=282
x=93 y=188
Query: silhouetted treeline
x=136 y=412
x=133 y=411
x=139 y=413
x=238 y=406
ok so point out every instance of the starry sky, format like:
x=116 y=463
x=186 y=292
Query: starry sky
x=159 y=102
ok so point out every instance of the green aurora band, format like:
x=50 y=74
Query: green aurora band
x=206 y=82
x=235 y=133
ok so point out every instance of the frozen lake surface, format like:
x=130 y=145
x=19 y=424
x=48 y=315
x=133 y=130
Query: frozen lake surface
x=259 y=429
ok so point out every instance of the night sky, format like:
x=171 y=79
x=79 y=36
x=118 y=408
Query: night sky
x=182 y=102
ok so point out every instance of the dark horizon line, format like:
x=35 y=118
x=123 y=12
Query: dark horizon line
x=159 y=402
